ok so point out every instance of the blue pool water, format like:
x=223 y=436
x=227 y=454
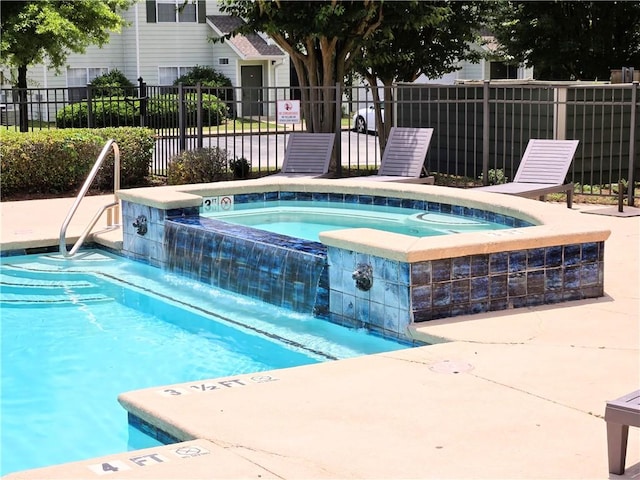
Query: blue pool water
x=76 y=333
x=303 y=219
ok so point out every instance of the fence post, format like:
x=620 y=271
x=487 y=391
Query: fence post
x=560 y=117
x=486 y=128
x=142 y=95
x=632 y=142
x=182 y=131
x=199 y=115
x=338 y=140
x=90 y=121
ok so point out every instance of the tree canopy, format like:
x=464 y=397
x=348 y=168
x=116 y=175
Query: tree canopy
x=322 y=38
x=570 y=40
x=47 y=31
x=415 y=38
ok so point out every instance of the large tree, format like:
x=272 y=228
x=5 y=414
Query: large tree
x=39 y=31
x=415 y=38
x=570 y=40
x=322 y=38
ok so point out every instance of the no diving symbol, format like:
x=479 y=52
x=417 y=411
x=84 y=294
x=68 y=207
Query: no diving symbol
x=190 y=451
x=226 y=203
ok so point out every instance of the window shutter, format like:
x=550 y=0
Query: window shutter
x=202 y=11
x=151 y=11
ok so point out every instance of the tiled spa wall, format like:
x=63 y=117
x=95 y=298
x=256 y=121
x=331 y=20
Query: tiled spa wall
x=396 y=293
x=281 y=270
x=401 y=293
x=143 y=231
x=291 y=273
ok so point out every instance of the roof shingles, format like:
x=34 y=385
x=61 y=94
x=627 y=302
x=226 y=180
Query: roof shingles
x=249 y=46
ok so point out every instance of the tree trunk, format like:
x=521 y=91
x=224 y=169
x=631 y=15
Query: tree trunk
x=22 y=98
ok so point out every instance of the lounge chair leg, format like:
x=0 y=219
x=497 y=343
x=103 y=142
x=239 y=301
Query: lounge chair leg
x=617 y=446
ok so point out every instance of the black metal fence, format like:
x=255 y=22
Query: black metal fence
x=480 y=127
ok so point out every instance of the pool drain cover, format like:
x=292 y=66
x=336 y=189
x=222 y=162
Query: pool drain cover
x=449 y=366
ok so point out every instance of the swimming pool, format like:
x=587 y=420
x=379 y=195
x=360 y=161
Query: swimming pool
x=307 y=220
x=76 y=333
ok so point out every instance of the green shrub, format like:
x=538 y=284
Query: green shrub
x=57 y=162
x=136 y=154
x=240 y=167
x=53 y=162
x=495 y=176
x=615 y=187
x=112 y=84
x=73 y=115
x=161 y=110
x=208 y=77
x=198 y=166
x=107 y=112
x=205 y=76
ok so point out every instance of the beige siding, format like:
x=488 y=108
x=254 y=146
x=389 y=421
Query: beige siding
x=282 y=77
x=173 y=45
x=231 y=70
x=140 y=52
x=472 y=71
x=129 y=51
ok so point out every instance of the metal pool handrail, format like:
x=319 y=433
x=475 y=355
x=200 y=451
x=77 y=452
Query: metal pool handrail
x=87 y=183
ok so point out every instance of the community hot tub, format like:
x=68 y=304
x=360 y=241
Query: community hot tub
x=384 y=281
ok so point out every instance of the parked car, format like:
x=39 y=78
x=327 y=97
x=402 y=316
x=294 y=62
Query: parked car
x=364 y=120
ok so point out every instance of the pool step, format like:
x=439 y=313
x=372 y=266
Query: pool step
x=10 y=300
x=20 y=286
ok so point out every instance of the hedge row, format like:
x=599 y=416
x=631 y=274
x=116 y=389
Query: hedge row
x=162 y=110
x=58 y=161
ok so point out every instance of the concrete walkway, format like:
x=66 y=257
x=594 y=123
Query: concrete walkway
x=518 y=394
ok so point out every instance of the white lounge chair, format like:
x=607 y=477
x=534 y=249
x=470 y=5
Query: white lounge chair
x=543 y=169
x=307 y=155
x=403 y=157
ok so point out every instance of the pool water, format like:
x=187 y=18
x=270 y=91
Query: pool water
x=76 y=333
x=306 y=220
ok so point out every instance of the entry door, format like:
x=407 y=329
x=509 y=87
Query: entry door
x=251 y=77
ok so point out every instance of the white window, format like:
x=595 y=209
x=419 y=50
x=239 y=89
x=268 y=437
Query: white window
x=168 y=75
x=177 y=11
x=78 y=78
x=223 y=61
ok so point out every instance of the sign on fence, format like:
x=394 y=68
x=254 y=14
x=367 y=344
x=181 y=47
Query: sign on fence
x=288 y=111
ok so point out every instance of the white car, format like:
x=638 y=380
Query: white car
x=364 y=120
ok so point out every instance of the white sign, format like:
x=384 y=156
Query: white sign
x=288 y=111
x=215 y=204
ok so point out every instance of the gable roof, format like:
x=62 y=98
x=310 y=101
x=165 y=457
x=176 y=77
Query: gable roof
x=248 y=47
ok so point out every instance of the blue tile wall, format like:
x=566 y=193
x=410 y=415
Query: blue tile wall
x=147 y=247
x=277 y=269
x=384 y=309
x=503 y=280
x=151 y=430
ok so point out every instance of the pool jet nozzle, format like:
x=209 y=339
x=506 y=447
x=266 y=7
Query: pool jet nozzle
x=363 y=275
x=140 y=225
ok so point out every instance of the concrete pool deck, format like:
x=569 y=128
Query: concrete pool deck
x=512 y=394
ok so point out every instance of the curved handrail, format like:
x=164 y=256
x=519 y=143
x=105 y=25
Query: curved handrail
x=87 y=183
